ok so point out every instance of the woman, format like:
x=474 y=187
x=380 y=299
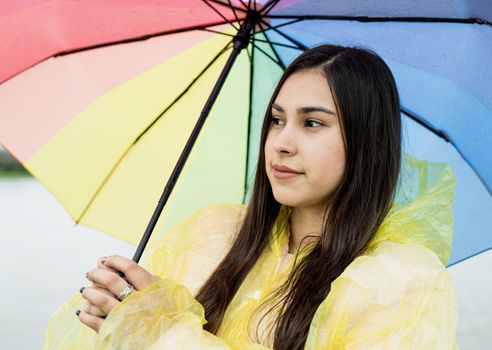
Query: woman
x=327 y=254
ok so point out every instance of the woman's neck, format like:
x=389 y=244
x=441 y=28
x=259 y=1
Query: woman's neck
x=305 y=221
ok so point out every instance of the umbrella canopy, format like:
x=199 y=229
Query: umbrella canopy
x=98 y=99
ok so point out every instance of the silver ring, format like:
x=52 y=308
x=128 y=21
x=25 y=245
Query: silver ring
x=125 y=292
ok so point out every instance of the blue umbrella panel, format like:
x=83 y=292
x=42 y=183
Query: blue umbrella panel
x=441 y=58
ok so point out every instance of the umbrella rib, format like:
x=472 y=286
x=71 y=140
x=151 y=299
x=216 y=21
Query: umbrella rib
x=264 y=41
x=281 y=63
x=267 y=54
x=287 y=23
x=468 y=257
x=110 y=173
x=447 y=138
x=278 y=44
x=217 y=32
x=300 y=45
x=117 y=42
x=248 y=6
x=425 y=124
x=216 y=57
x=250 y=113
x=249 y=53
x=219 y=13
x=472 y=20
x=233 y=10
x=268 y=7
x=140 y=38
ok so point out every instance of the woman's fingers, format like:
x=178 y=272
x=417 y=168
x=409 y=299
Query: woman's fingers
x=100 y=264
x=97 y=285
x=94 y=310
x=100 y=299
x=89 y=320
x=134 y=273
x=100 y=288
x=108 y=280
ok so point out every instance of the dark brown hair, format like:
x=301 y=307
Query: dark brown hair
x=367 y=102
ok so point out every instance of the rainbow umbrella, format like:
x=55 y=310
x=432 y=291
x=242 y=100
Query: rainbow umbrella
x=108 y=102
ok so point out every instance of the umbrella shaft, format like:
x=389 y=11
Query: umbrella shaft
x=241 y=40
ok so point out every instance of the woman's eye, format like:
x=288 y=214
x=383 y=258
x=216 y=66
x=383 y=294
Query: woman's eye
x=276 y=121
x=312 y=123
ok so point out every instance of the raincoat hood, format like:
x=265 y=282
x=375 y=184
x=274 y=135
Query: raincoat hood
x=422 y=210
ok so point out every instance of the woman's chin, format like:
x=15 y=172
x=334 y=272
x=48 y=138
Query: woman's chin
x=290 y=201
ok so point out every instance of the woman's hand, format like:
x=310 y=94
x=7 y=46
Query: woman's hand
x=111 y=276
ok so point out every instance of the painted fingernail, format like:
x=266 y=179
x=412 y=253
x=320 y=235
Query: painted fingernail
x=77 y=312
x=82 y=289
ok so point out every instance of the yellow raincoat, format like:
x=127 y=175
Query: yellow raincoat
x=397 y=295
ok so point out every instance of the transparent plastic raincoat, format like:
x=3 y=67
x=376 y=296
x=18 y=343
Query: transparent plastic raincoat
x=397 y=295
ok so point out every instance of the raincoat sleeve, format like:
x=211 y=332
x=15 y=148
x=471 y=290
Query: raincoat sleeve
x=165 y=314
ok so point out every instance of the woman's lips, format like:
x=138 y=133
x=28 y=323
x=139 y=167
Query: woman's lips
x=284 y=174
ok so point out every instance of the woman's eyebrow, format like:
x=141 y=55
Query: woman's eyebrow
x=305 y=110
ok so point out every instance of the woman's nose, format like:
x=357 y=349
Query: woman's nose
x=285 y=141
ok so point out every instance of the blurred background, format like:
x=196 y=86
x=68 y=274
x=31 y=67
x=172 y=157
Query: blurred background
x=45 y=258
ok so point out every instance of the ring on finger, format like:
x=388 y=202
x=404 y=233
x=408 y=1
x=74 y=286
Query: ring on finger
x=125 y=292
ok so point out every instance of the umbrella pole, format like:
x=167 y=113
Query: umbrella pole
x=240 y=41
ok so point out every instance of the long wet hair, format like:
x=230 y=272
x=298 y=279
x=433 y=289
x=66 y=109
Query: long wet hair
x=368 y=106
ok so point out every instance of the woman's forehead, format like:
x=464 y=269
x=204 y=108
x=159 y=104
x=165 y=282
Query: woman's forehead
x=305 y=89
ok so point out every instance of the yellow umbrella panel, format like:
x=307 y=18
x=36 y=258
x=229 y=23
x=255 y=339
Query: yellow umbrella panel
x=118 y=154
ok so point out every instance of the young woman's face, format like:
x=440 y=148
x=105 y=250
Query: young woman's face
x=305 y=136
